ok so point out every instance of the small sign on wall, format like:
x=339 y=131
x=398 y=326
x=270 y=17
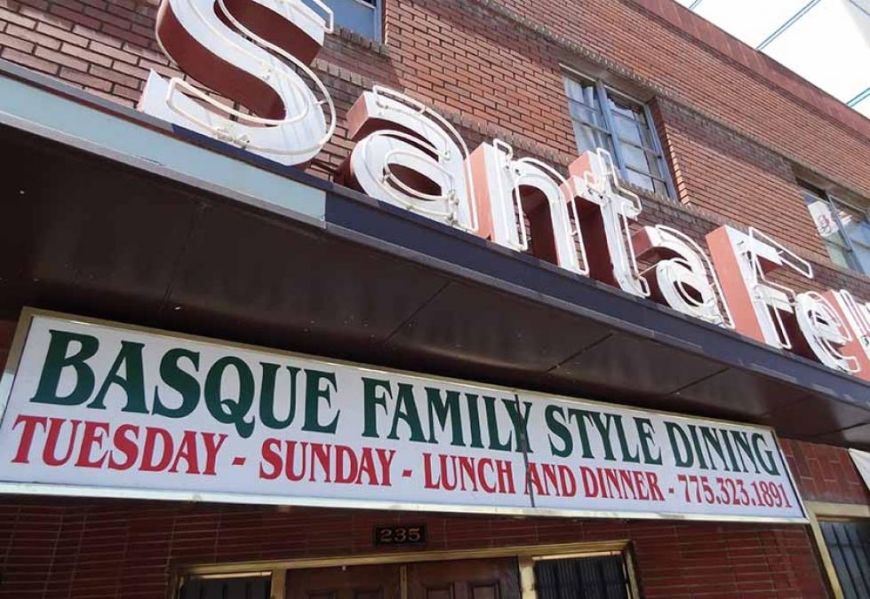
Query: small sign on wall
x=400 y=535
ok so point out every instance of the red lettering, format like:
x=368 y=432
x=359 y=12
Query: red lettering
x=428 y=481
x=320 y=453
x=466 y=470
x=568 y=482
x=148 y=454
x=640 y=486
x=211 y=450
x=186 y=452
x=94 y=434
x=291 y=460
x=505 y=476
x=346 y=465
x=22 y=456
x=385 y=457
x=551 y=478
x=653 y=481
x=626 y=484
x=49 y=451
x=590 y=483
x=270 y=455
x=481 y=475
x=127 y=446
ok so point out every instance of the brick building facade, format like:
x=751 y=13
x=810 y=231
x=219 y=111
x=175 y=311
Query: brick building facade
x=739 y=134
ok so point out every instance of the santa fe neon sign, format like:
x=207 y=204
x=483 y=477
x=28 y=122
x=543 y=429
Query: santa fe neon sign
x=258 y=52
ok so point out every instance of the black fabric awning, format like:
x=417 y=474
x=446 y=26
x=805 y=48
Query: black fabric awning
x=108 y=213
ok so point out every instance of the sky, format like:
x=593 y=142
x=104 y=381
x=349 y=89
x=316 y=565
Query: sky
x=825 y=41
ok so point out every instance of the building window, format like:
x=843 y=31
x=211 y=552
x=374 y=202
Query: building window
x=242 y=586
x=360 y=16
x=845 y=229
x=849 y=546
x=600 y=577
x=604 y=118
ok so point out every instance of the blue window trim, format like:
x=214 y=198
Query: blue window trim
x=376 y=8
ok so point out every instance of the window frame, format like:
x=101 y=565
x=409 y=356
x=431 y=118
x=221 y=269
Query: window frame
x=604 y=93
x=632 y=587
x=377 y=7
x=832 y=512
x=833 y=202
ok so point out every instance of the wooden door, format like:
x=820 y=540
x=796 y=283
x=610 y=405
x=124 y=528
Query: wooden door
x=464 y=579
x=351 y=582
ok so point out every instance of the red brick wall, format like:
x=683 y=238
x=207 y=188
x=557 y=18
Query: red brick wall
x=825 y=473
x=733 y=122
x=88 y=549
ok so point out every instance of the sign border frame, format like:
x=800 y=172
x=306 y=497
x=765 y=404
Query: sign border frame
x=22 y=331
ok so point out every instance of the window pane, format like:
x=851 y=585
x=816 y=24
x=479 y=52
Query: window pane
x=583 y=91
x=361 y=16
x=855 y=223
x=642 y=180
x=630 y=120
x=581 y=578
x=624 y=127
x=826 y=223
x=840 y=256
x=849 y=546
x=581 y=112
x=634 y=132
x=862 y=255
x=641 y=161
x=589 y=139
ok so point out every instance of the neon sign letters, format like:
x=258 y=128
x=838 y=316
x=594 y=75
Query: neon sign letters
x=257 y=53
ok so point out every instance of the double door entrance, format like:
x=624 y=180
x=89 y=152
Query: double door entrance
x=465 y=579
x=580 y=577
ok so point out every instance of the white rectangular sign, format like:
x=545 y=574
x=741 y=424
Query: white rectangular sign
x=98 y=409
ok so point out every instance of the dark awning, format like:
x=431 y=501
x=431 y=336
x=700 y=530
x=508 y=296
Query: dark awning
x=108 y=213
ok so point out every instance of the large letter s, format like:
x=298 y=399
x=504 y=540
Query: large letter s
x=207 y=40
x=411 y=157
